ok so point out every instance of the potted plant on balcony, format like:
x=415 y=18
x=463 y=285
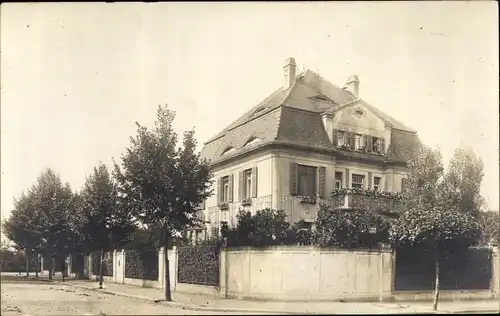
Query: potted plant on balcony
x=246 y=202
x=224 y=206
x=308 y=199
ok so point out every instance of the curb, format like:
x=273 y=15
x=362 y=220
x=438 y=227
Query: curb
x=184 y=305
x=236 y=310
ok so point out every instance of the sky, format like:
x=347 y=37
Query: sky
x=76 y=76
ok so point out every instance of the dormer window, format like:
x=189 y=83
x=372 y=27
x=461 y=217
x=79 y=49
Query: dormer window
x=252 y=140
x=259 y=110
x=229 y=150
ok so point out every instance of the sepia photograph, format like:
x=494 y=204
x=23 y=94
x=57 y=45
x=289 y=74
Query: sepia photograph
x=249 y=158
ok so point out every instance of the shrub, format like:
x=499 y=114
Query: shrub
x=349 y=228
x=267 y=227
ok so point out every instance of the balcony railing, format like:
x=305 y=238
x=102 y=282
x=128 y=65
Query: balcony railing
x=228 y=213
x=299 y=208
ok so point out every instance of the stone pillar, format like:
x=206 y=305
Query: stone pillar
x=68 y=265
x=387 y=272
x=41 y=264
x=495 y=275
x=114 y=265
x=161 y=267
x=173 y=265
x=88 y=262
x=223 y=272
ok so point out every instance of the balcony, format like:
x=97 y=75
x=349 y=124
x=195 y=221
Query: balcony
x=306 y=208
x=228 y=211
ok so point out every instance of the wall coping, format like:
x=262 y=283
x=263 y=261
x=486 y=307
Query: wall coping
x=379 y=249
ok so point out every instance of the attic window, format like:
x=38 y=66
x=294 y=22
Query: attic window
x=252 y=140
x=259 y=110
x=229 y=150
x=359 y=113
x=322 y=98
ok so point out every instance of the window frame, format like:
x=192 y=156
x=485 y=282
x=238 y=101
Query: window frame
x=338 y=182
x=302 y=171
x=358 y=141
x=225 y=189
x=340 y=138
x=376 y=186
x=357 y=184
x=247 y=184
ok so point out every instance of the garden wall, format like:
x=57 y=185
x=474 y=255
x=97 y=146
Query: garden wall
x=307 y=273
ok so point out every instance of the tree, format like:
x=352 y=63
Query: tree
x=22 y=226
x=163 y=185
x=434 y=219
x=464 y=175
x=490 y=224
x=54 y=212
x=105 y=224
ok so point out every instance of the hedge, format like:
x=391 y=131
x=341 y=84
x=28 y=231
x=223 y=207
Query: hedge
x=141 y=264
x=199 y=265
x=107 y=263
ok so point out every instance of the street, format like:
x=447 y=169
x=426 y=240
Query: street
x=31 y=297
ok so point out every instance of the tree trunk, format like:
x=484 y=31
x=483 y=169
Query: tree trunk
x=36 y=265
x=436 y=289
x=63 y=265
x=168 y=294
x=51 y=271
x=100 y=268
x=27 y=263
x=53 y=265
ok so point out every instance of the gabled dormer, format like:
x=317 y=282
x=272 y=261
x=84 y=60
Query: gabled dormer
x=356 y=127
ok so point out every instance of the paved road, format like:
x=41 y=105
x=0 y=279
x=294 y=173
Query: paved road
x=31 y=297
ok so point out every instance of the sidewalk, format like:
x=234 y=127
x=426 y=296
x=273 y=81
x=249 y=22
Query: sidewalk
x=211 y=303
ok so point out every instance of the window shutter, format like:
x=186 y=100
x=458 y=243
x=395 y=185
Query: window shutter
x=294 y=170
x=347 y=178
x=334 y=138
x=254 y=182
x=230 y=185
x=219 y=191
x=241 y=187
x=322 y=180
x=369 y=142
x=382 y=145
x=370 y=186
x=203 y=204
x=365 y=140
x=403 y=185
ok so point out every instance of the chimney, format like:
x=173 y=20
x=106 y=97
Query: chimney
x=290 y=69
x=353 y=85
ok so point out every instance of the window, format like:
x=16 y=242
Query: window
x=358 y=141
x=247 y=185
x=225 y=189
x=340 y=138
x=338 y=180
x=307 y=180
x=377 y=145
x=376 y=183
x=357 y=181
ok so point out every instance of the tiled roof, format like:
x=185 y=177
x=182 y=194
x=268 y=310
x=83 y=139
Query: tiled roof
x=403 y=145
x=292 y=116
